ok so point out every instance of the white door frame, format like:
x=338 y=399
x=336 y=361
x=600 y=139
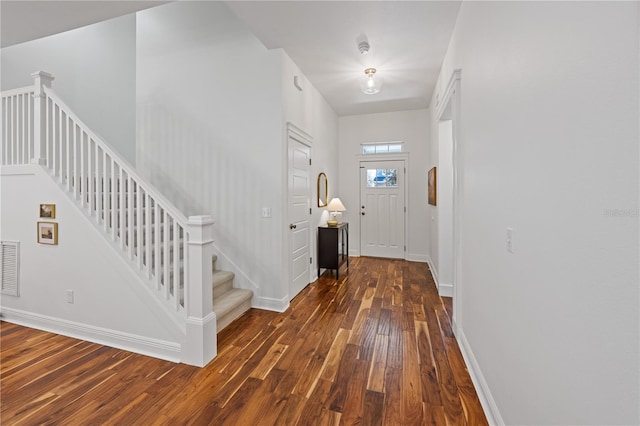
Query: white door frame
x=363 y=158
x=293 y=132
x=452 y=95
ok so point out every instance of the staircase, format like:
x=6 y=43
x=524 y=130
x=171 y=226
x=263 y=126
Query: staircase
x=171 y=254
x=229 y=303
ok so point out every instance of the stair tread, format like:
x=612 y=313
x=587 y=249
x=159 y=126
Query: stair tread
x=221 y=277
x=230 y=300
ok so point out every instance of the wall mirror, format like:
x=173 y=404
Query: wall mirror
x=323 y=190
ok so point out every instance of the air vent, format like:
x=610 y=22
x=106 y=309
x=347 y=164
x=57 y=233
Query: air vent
x=10 y=268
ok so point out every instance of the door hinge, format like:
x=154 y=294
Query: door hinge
x=405 y=248
x=405 y=170
x=309 y=161
x=309 y=210
x=310 y=260
x=405 y=209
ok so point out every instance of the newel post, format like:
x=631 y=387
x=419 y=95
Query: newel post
x=41 y=80
x=201 y=344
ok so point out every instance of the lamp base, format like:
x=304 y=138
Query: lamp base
x=332 y=223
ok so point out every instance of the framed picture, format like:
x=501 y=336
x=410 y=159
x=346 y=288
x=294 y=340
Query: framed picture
x=431 y=185
x=48 y=211
x=48 y=233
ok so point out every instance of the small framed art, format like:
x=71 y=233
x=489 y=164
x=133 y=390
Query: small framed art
x=431 y=183
x=48 y=233
x=48 y=211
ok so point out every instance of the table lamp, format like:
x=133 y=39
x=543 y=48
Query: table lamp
x=335 y=206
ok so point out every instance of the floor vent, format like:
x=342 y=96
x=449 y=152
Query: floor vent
x=10 y=268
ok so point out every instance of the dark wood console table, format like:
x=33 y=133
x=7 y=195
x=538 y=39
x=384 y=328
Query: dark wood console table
x=330 y=240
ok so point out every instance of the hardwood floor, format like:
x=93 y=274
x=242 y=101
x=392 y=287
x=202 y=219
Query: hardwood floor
x=374 y=348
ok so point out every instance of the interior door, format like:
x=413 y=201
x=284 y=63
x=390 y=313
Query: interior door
x=299 y=202
x=382 y=209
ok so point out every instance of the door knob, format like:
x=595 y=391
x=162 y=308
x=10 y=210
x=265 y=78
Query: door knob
x=292 y=226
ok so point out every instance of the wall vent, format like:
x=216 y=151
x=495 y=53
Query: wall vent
x=10 y=268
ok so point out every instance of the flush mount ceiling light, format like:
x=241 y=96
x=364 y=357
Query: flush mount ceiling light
x=369 y=84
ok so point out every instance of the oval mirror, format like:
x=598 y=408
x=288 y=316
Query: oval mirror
x=323 y=190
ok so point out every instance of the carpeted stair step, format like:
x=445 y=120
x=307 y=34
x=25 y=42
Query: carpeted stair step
x=222 y=282
x=231 y=305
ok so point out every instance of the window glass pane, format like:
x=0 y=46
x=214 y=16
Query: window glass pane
x=381 y=148
x=382 y=178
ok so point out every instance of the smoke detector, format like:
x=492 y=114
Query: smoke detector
x=363 y=47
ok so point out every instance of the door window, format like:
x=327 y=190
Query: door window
x=382 y=178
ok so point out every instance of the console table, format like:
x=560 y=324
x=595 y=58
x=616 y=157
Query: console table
x=330 y=240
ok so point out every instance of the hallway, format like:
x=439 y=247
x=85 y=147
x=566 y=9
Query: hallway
x=375 y=347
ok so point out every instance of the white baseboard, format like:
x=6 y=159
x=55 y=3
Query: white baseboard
x=445 y=290
x=482 y=388
x=169 y=351
x=434 y=273
x=354 y=253
x=271 y=304
x=422 y=258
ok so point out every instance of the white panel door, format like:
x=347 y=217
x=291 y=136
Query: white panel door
x=382 y=209
x=299 y=201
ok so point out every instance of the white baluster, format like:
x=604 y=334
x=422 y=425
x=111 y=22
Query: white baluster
x=60 y=145
x=176 y=264
x=123 y=207
x=147 y=230
x=90 y=178
x=114 y=200
x=47 y=130
x=139 y=228
x=21 y=127
x=13 y=129
x=165 y=264
x=30 y=127
x=130 y=215
x=5 y=126
x=68 y=156
x=156 y=242
x=98 y=184
x=105 y=191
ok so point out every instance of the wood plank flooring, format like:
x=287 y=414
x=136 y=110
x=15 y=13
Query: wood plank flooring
x=374 y=348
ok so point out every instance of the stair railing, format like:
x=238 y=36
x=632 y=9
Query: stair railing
x=172 y=252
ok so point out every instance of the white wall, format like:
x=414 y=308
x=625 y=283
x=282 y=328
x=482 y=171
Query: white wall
x=211 y=133
x=441 y=230
x=411 y=127
x=309 y=111
x=110 y=306
x=94 y=70
x=549 y=147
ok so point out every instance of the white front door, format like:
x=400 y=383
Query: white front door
x=299 y=201
x=382 y=208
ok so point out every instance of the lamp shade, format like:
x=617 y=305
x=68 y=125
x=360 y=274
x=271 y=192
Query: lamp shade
x=335 y=205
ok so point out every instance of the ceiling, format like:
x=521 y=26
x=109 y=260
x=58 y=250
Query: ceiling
x=408 y=40
x=27 y=20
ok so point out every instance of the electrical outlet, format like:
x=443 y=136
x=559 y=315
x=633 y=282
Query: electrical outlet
x=509 y=240
x=69 y=296
x=266 y=212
